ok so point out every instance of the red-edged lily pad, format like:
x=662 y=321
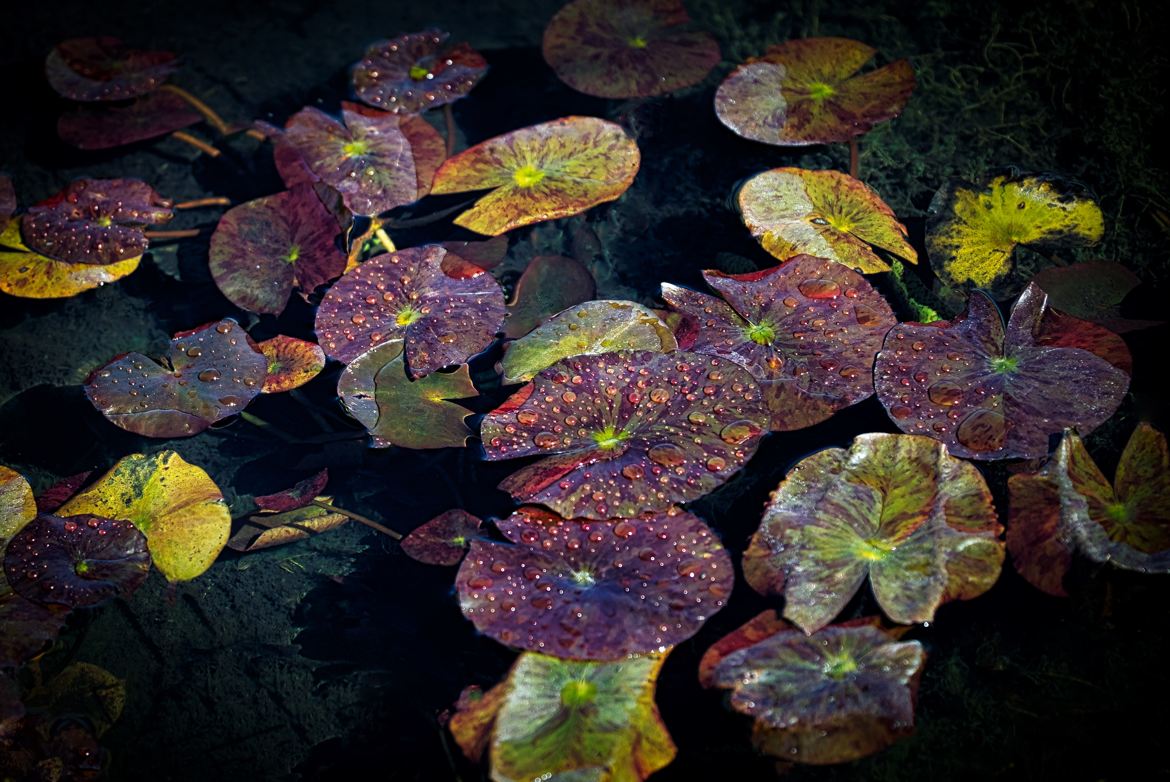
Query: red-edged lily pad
x=627 y=432
x=842 y=693
x=105 y=127
x=99 y=221
x=549 y=284
x=209 y=374
x=1093 y=291
x=104 y=68
x=292 y=362
x=298 y=496
x=264 y=248
x=595 y=590
x=416 y=72
x=76 y=560
x=554 y=169
x=443 y=308
x=991 y=392
x=897 y=509
x=807 y=330
x=809 y=91
x=444 y=539
x=628 y=48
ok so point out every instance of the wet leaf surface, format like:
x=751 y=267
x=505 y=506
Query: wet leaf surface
x=595 y=590
x=791 y=211
x=298 y=496
x=554 y=169
x=263 y=531
x=549 y=284
x=106 y=127
x=18 y=506
x=416 y=72
x=1093 y=291
x=210 y=373
x=292 y=362
x=31 y=275
x=993 y=393
x=444 y=539
x=104 y=68
x=629 y=49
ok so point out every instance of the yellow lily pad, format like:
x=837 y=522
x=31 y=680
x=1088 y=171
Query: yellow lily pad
x=17 y=505
x=31 y=275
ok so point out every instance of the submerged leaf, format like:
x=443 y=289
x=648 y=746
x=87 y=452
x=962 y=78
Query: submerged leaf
x=292 y=362
x=416 y=72
x=103 y=68
x=263 y=531
x=28 y=626
x=105 y=127
x=84 y=692
x=549 y=284
x=444 y=539
x=298 y=496
x=30 y=275
x=1093 y=291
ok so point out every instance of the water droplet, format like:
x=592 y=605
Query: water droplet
x=819 y=289
x=945 y=393
x=659 y=395
x=738 y=432
x=545 y=440
x=633 y=471
x=527 y=417
x=208 y=375
x=223 y=328
x=716 y=463
x=624 y=529
x=982 y=431
x=697 y=417
x=667 y=454
x=900 y=412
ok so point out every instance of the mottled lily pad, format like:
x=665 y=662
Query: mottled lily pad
x=18 y=506
x=31 y=275
x=416 y=72
x=1093 y=291
x=175 y=504
x=106 y=127
x=104 y=68
x=627 y=432
x=292 y=362
x=554 y=169
x=808 y=331
x=264 y=248
x=298 y=496
x=98 y=221
x=593 y=327
x=207 y=375
x=973 y=230
x=809 y=91
x=628 y=49
x=844 y=692
x=595 y=590
x=76 y=561
x=828 y=214
x=549 y=284
x=897 y=509
x=265 y=530
x=990 y=392
x=444 y=309
x=444 y=539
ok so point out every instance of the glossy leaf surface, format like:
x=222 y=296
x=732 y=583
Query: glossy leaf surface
x=104 y=68
x=416 y=72
x=106 y=127
x=292 y=362
x=444 y=539
x=549 y=284
x=31 y=275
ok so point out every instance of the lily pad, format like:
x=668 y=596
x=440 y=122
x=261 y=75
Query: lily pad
x=595 y=590
x=554 y=169
x=549 y=284
x=55 y=496
x=292 y=362
x=628 y=49
x=76 y=561
x=810 y=91
x=1093 y=291
x=444 y=309
x=104 y=68
x=486 y=254
x=973 y=230
x=807 y=330
x=627 y=432
x=106 y=127
x=444 y=539
x=590 y=328
x=175 y=504
x=264 y=248
x=98 y=221
x=18 y=506
x=298 y=496
x=828 y=214
x=209 y=374
x=28 y=627
x=7 y=200
x=31 y=275
x=265 y=530
x=844 y=692
x=416 y=72
x=990 y=392
x=897 y=509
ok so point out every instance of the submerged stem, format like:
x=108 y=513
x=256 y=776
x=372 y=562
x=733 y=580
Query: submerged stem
x=449 y=117
x=208 y=113
x=185 y=233
x=256 y=420
x=199 y=144
x=360 y=519
x=198 y=202
x=854 y=155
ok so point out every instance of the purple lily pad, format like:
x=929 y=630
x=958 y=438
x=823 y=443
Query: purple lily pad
x=7 y=201
x=990 y=392
x=104 y=68
x=808 y=330
x=264 y=248
x=444 y=308
x=416 y=72
x=56 y=495
x=1093 y=291
x=444 y=539
x=106 y=127
x=28 y=626
x=76 y=561
x=627 y=432
x=298 y=496
x=595 y=590
x=99 y=221
x=209 y=374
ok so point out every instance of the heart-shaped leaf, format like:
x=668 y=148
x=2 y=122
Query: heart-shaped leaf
x=104 y=68
x=292 y=362
x=416 y=72
x=1093 y=291
x=31 y=275
x=549 y=284
x=106 y=127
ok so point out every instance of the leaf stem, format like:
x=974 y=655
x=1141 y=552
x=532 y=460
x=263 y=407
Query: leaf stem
x=385 y=239
x=854 y=158
x=202 y=146
x=185 y=233
x=257 y=421
x=198 y=202
x=360 y=519
x=449 y=118
x=208 y=113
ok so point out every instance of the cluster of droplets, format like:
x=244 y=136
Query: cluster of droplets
x=414 y=72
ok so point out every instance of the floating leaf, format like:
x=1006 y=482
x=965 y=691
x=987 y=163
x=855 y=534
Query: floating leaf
x=896 y=508
x=106 y=127
x=842 y=693
x=1093 y=291
x=7 y=200
x=808 y=91
x=444 y=539
x=549 y=284
x=104 y=68
x=28 y=626
x=298 y=496
x=416 y=72
x=292 y=362
x=554 y=169
x=828 y=214
x=210 y=373
x=627 y=432
x=628 y=49
x=973 y=229
x=396 y=410
x=808 y=330
x=99 y=221
x=475 y=715
x=991 y=393
x=18 y=506
x=445 y=309
x=263 y=531
x=264 y=248
x=590 y=328
x=595 y=590
x=56 y=495
x=77 y=561
x=175 y=504
x=33 y=276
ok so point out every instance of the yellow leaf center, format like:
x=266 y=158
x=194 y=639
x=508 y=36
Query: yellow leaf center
x=818 y=90
x=760 y=333
x=609 y=438
x=418 y=73
x=355 y=148
x=407 y=316
x=294 y=253
x=638 y=42
x=838 y=665
x=578 y=693
x=527 y=176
